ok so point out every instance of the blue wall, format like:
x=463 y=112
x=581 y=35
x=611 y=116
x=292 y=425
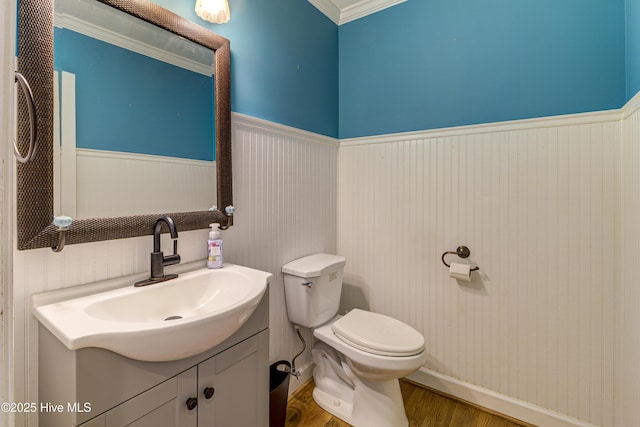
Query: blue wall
x=437 y=63
x=428 y=63
x=633 y=47
x=284 y=61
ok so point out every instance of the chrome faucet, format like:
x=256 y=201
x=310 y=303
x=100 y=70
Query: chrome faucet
x=158 y=260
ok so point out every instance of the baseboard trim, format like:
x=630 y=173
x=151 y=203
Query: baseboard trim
x=512 y=408
x=488 y=400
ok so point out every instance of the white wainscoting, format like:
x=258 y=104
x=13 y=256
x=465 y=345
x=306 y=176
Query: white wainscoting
x=534 y=201
x=544 y=205
x=628 y=298
x=285 y=194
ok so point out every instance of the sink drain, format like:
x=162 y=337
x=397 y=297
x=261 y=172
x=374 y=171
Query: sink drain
x=173 y=317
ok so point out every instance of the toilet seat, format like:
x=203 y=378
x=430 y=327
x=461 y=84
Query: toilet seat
x=378 y=334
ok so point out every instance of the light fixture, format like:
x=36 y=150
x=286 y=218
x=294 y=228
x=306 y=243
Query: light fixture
x=216 y=11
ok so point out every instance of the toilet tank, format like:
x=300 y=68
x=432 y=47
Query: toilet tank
x=312 y=288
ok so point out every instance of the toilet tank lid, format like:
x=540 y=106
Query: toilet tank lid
x=314 y=265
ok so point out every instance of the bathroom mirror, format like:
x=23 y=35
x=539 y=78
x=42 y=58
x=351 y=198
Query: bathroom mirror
x=37 y=202
x=134 y=107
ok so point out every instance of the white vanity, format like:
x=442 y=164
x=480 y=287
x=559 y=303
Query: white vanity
x=81 y=382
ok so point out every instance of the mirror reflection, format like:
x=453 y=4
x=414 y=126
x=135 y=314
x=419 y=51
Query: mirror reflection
x=135 y=117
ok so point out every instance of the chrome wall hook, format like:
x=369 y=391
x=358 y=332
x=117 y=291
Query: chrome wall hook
x=462 y=252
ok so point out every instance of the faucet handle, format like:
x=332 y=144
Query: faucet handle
x=172 y=259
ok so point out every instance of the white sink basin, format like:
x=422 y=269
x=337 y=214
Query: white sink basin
x=171 y=320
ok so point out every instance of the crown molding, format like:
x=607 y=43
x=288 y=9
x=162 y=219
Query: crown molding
x=328 y=8
x=354 y=11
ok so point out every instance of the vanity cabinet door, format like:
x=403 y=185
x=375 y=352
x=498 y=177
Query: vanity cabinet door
x=236 y=383
x=163 y=405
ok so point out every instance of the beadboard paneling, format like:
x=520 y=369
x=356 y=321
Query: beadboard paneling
x=629 y=293
x=535 y=204
x=285 y=194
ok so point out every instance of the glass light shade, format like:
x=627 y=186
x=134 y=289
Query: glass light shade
x=216 y=11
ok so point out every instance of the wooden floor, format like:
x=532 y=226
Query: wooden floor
x=424 y=408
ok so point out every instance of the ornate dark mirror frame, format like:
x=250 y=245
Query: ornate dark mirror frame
x=34 y=193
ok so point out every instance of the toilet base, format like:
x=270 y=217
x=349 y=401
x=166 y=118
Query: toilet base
x=375 y=414
x=359 y=402
x=335 y=406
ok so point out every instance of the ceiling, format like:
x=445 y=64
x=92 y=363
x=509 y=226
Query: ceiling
x=343 y=11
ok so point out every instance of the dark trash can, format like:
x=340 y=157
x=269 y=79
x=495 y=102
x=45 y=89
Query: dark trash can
x=279 y=391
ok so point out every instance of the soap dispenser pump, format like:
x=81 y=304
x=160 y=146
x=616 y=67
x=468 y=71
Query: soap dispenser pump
x=214 y=247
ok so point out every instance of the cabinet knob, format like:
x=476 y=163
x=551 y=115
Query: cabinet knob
x=209 y=392
x=192 y=402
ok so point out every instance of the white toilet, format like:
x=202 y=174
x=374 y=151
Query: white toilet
x=360 y=356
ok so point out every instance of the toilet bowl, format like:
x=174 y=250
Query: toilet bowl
x=366 y=359
x=357 y=384
x=359 y=356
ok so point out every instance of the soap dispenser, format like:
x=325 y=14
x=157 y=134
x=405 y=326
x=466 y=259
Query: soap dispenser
x=214 y=247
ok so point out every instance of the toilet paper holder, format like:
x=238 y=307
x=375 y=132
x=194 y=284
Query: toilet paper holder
x=462 y=252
